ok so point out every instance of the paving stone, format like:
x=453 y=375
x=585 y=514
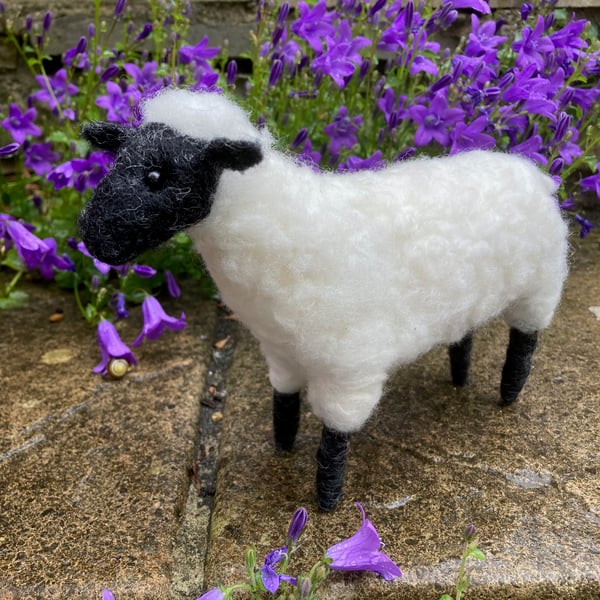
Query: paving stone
x=434 y=459
x=93 y=472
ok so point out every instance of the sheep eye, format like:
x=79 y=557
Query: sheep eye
x=153 y=178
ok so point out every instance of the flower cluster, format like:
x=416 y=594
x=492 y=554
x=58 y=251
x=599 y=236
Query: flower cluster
x=360 y=552
x=373 y=72
x=394 y=89
x=58 y=168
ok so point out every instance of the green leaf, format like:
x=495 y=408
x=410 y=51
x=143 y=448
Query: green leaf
x=446 y=597
x=477 y=553
x=15 y=299
x=12 y=261
x=59 y=137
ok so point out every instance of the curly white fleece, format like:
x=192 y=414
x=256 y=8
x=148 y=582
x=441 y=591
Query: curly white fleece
x=345 y=277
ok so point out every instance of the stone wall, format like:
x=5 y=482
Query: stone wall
x=224 y=21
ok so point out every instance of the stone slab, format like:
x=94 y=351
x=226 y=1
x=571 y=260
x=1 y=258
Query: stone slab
x=434 y=459
x=93 y=472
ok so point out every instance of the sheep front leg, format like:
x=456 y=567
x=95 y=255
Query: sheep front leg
x=331 y=464
x=517 y=365
x=286 y=417
x=460 y=360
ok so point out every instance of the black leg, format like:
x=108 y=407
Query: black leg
x=331 y=463
x=460 y=360
x=286 y=417
x=517 y=366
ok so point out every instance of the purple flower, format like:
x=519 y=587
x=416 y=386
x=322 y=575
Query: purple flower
x=268 y=574
x=119 y=8
x=355 y=163
x=297 y=524
x=314 y=24
x=118 y=303
x=20 y=124
x=531 y=149
x=47 y=22
x=118 y=103
x=483 y=41
x=214 y=594
x=586 y=226
x=471 y=136
x=9 y=149
x=155 y=321
x=62 y=175
x=200 y=53
x=567 y=204
x=111 y=347
x=40 y=157
x=533 y=46
x=205 y=79
x=342 y=131
x=478 y=5
x=144 y=78
x=361 y=552
x=88 y=172
x=144 y=271
x=342 y=55
x=144 y=33
x=276 y=72
x=231 y=71
x=35 y=252
x=172 y=286
x=526 y=10
x=101 y=266
x=433 y=121
x=108 y=73
x=77 y=56
x=107 y=595
x=55 y=90
x=592 y=182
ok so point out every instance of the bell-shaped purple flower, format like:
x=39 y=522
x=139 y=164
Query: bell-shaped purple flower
x=156 y=319
x=107 y=595
x=214 y=594
x=111 y=347
x=361 y=552
x=35 y=252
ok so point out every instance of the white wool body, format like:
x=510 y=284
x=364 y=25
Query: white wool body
x=345 y=277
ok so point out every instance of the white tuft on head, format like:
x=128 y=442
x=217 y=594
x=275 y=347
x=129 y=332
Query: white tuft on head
x=201 y=115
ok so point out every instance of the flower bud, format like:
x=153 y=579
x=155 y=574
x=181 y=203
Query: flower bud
x=47 y=21
x=81 y=45
x=297 y=524
x=119 y=8
x=276 y=72
x=470 y=532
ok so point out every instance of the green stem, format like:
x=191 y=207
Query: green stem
x=13 y=282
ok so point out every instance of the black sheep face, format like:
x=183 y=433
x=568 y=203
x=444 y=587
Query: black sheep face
x=161 y=183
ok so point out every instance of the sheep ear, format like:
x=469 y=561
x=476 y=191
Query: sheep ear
x=237 y=155
x=104 y=135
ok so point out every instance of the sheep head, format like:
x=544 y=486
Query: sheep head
x=161 y=182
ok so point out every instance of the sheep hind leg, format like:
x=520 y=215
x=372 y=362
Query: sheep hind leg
x=331 y=464
x=286 y=418
x=460 y=360
x=516 y=368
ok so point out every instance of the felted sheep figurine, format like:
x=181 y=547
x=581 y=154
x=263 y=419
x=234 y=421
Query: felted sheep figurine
x=341 y=277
